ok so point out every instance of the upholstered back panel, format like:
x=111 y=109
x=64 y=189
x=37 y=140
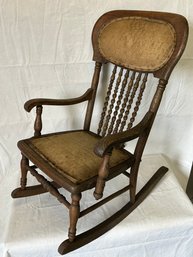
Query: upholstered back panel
x=137 y=43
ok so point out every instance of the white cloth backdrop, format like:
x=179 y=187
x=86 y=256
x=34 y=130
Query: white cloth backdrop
x=45 y=51
x=161 y=226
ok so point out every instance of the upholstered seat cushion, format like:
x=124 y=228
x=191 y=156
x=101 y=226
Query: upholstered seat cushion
x=71 y=154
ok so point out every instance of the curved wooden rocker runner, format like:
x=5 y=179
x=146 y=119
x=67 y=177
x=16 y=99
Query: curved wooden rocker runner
x=138 y=44
x=92 y=234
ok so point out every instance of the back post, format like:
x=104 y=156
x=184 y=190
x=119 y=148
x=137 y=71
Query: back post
x=94 y=86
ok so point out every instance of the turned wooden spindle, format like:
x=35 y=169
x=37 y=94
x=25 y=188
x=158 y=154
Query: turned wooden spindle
x=38 y=121
x=158 y=95
x=116 y=120
x=24 y=163
x=103 y=114
x=114 y=96
x=124 y=112
x=102 y=175
x=118 y=103
x=138 y=102
x=49 y=187
x=111 y=106
x=74 y=215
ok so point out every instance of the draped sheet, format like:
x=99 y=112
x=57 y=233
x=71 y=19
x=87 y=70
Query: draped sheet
x=45 y=51
x=161 y=226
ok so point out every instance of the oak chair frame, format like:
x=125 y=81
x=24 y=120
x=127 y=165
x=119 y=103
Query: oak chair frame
x=106 y=144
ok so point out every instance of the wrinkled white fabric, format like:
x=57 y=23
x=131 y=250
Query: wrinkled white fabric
x=161 y=226
x=45 y=51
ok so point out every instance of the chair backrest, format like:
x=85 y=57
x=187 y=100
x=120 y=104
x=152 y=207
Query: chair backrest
x=137 y=43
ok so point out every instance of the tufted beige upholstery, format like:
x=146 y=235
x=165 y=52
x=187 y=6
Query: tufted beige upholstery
x=137 y=43
x=72 y=154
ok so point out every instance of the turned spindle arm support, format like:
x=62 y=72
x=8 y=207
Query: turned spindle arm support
x=105 y=146
x=39 y=102
x=107 y=143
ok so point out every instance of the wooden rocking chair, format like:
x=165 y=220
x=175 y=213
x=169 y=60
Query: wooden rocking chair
x=137 y=44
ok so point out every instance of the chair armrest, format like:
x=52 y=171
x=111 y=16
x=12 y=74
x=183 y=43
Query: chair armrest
x=107 y=143
x=43 y=101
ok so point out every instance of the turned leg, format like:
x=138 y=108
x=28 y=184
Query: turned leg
x=102 y=175
x=74 y=215
x=23 y=165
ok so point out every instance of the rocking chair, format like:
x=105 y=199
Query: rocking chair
x=138 y=45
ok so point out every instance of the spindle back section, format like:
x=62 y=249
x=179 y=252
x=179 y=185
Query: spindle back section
x=122 y=101
x=137 y=43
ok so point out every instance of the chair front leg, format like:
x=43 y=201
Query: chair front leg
x=24 y=170
x=74 y=215
x=102 y=175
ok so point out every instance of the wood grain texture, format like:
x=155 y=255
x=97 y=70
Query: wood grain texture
x=29 y=105
x=116 y=127
x=92 y=234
